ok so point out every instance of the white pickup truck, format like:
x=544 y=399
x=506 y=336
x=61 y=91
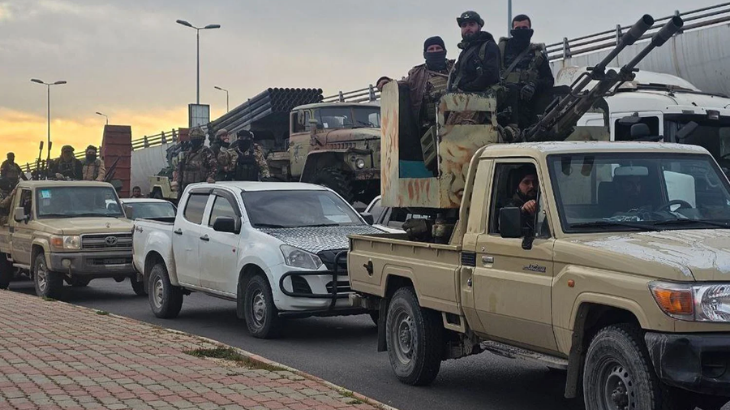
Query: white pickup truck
x=276 y=249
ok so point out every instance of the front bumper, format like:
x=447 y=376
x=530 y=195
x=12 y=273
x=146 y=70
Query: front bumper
x=696 y=362
x=94 y=264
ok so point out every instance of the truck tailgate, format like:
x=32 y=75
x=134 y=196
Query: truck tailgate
x=433 y=268
x=152 y=236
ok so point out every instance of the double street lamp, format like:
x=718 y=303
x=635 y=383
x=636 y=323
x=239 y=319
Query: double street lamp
x=103 y=115
x=35 y=80
x=223 y=89
x=197 y=32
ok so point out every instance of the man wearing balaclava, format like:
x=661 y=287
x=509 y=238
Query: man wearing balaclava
x=198 y=164
x=94 y=168
x=12 y=171
x=525 y=71
x=427 y=82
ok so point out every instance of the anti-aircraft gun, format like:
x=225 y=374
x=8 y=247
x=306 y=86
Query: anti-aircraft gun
x=426 y=172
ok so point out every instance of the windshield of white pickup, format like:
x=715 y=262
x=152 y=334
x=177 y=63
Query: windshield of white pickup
x=294 y=209
x=70 y=202
x=639 y=191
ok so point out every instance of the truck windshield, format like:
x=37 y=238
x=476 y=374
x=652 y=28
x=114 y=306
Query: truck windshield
x=627 y=191
x=70 y=202
x=296 y=209
x=151 y=210
x=348 y=117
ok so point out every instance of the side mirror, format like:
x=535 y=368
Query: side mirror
x=510 y=222
x=225 y=224
x=368 y=217
x=20 y=215
x=128 y=212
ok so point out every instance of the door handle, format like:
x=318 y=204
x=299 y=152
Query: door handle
x=488 y=259
x=178 y=232
x=205 y=238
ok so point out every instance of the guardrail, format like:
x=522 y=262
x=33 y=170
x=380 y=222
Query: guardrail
x=368 y=94
x=702 y=17
x=155 y=140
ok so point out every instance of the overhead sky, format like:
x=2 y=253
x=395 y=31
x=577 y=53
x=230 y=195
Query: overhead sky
x=129 y=59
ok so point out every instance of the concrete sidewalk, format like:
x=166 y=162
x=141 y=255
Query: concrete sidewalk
x=54 y=355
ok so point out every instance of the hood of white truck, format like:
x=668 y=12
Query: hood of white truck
x=319 y=238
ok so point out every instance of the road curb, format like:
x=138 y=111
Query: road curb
x=250 y=356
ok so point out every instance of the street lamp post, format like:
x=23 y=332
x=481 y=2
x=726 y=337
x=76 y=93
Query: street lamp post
x=103 y=115
x=35 y=80
x=223 y=89
x=509 y=17
x=197 y=32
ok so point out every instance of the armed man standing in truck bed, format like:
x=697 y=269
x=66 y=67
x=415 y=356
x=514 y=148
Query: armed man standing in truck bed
x=477 y=68
x=12 y=171
x=93 y=168
x=198 y=163
x=525 y=72
x=67 y=166
x=251 y=163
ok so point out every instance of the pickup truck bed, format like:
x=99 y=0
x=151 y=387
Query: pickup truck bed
x=430 y=267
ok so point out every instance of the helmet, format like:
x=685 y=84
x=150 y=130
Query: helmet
x=470 y=16
x=221 y=132
x=197 y=133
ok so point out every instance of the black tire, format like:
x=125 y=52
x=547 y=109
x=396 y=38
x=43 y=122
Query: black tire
x=414 y=337
x=259 y=311
x=618 y=373
x=138 y=286
x=165 y=299
x=336 y=180
x=48 y=284
x=79 y=282
x=7 y=272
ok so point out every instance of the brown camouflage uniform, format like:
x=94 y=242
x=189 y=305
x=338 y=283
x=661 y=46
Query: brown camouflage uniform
x=257 y=152
x=94 y=171
x=196 y=166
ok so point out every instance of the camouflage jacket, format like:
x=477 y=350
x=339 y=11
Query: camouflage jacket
x=94 y=171
x=421 y=84
x=70 y=169
x=258 y=153
x=197 y=166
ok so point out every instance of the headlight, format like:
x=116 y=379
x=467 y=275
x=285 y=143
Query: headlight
x=360 y=164
x=698 y=303
x=298 y=258
x=66 y=242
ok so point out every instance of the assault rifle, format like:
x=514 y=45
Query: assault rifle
x=561 y=116
x=38 y=164
x=112 y=170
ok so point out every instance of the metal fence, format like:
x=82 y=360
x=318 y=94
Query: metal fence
x=367 y=94
x=698 y=18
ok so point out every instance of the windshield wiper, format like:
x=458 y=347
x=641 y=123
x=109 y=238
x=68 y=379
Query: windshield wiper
x=95 y=215
x=317 y=225
x=693 y=222
x=56 y=216
x=609 y=224
x=269 y=226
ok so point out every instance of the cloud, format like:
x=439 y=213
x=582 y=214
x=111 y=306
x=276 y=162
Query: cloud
x=6 y=13
x=22 y=132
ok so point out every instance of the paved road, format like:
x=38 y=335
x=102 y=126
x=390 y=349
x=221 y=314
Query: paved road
x=342 y=351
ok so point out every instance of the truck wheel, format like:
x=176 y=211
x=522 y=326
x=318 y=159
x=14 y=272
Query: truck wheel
x=79 y=282
x=138 y=286
x=260 y=313
x=618 y=373
x=414 y=338
x=47 y=283
x=336 y=180
x=6 y=271
x=165 y=300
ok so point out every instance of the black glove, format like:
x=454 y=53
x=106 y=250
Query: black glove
x=528 y=91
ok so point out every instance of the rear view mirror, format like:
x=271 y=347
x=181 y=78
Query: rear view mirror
x=225 y=224
x=510 y=222
x=368 y=217
x=19 y=214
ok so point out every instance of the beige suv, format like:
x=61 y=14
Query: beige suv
x=72 y=231
x=621 y=276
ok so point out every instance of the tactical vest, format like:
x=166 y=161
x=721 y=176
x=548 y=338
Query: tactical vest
x=518 y=75
x=247 y=168
x=451 y=85
x=193 y=168
x=11 y=170
x=67 y=168
x=225 y=159
x=435 y=88
x=96 y=165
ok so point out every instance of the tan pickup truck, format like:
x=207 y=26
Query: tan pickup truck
x=621 y=276
x=72 y=231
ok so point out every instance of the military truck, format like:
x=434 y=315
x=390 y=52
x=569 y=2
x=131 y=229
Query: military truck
x=631 y=301
x=333 y=144
x=72 y=231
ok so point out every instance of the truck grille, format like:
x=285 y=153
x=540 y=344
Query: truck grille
x=342 y=286
x=107 y=241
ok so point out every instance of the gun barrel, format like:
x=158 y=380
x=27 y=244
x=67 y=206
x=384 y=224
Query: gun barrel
x=629 y=38
x=662 y=36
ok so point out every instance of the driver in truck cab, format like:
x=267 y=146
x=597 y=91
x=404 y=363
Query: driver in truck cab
x=525 y=194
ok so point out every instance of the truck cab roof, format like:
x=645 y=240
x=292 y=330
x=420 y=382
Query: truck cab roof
x=577 y=147
x=52 y=183
x=250 y=186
